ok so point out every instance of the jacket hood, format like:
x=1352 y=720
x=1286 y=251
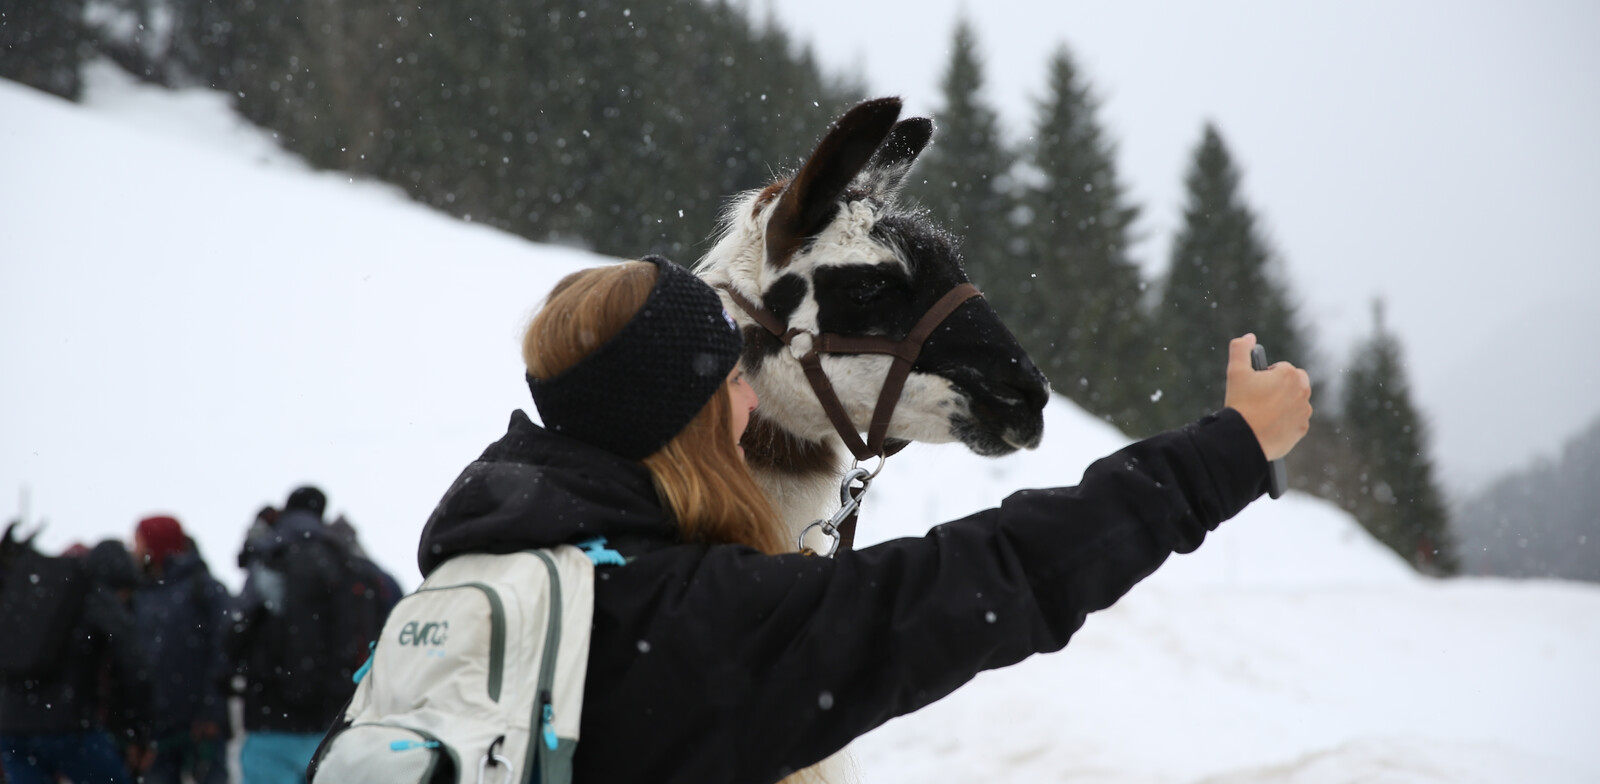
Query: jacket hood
x=296 y=526
x=534 y=488
x=111 y=565
x=179 y=567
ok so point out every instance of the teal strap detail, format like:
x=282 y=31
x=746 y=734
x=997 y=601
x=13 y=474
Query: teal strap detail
x=366 y=666
x=407 y=745
x=549 y=732
x=600 y=555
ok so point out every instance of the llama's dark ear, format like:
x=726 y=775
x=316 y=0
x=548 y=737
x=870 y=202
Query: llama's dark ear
x=812 y=197
x=895 y=157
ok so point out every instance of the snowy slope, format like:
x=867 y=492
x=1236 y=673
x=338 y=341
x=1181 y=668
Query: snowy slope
x=193 y=322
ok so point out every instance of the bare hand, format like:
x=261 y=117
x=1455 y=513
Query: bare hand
x=1275 y=402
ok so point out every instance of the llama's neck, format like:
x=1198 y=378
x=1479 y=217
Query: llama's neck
x=801 y=477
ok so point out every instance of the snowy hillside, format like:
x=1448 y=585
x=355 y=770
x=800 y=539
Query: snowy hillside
x=193 y=322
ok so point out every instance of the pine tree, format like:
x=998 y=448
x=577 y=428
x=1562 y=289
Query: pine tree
x=1078 y=309
x=962 y=173
x=1222 y=282
x=1396 y=497
x=42 y=44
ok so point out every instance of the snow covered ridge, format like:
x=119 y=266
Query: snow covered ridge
x=192 y=321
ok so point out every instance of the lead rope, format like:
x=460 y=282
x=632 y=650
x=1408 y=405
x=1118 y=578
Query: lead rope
x=841 y=527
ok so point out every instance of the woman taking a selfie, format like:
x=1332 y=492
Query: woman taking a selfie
x=719 y=656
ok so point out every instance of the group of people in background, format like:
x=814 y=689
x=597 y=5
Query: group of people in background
x=156 y=648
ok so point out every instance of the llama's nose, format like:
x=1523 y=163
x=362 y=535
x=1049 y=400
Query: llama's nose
x=1019 y=383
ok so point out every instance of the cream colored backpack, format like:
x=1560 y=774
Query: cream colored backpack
x=477 y=677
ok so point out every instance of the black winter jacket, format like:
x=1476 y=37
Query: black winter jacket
x=181 y=616
x=715 y=663
x=102 y=683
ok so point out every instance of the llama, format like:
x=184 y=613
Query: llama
x=826 y=258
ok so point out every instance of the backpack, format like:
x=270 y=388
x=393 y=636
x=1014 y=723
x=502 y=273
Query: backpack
x=41 y=598
x=478 y=676
x=363 y=597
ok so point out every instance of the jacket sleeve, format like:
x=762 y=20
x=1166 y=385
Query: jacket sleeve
x=810 y=653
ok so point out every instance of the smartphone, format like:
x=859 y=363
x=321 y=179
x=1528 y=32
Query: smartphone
x=1278 y=476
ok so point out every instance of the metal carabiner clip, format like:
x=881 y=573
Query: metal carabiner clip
x=491 y=758
x=849 y=502
x=828 y=529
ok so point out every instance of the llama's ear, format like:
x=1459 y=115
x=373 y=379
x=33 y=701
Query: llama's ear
x=812 y=197
x=897 y=155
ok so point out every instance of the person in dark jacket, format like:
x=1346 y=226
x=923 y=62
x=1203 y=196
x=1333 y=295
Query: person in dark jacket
x=718 y=657
x=182 y=611
x=87 y=721
x=282 y=641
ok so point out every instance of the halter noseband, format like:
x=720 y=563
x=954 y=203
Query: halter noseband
x=905 y=352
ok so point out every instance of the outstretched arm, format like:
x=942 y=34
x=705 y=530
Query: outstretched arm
x=809 y=653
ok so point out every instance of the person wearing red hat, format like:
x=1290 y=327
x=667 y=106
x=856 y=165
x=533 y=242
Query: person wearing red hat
x=181 y=611
x=156 y=538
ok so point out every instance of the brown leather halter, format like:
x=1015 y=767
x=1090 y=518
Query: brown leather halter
x=905 y=352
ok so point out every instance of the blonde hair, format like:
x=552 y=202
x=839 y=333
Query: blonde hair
x=699 y=475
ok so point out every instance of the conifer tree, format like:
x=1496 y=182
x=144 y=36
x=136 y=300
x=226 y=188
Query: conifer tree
x=961 y=177
x=1222 y=282
x=1078 y=309
x=42 y=44
x=1395 y=496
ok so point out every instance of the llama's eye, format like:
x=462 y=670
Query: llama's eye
x=869 y=290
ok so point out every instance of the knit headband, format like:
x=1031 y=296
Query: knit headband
x=636 y=392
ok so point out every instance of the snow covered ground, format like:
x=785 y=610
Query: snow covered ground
x=193 y=322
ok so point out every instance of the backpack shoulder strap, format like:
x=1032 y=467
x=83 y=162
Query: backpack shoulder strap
x=566 y=660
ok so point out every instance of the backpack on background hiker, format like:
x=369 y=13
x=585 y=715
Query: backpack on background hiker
x=41 y=597
x=478 y=676
x=362 y=600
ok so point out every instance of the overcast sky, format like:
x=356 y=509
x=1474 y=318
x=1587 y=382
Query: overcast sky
x=1443 y=154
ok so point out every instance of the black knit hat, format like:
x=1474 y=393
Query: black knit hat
x=639 y=390
x=306 y=498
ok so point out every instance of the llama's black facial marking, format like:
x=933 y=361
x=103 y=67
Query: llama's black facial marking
x=865 y=299
x=758 y=345
x=784 y=296
x=781 y=301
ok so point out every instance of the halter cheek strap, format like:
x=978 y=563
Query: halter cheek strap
x=905 y=352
